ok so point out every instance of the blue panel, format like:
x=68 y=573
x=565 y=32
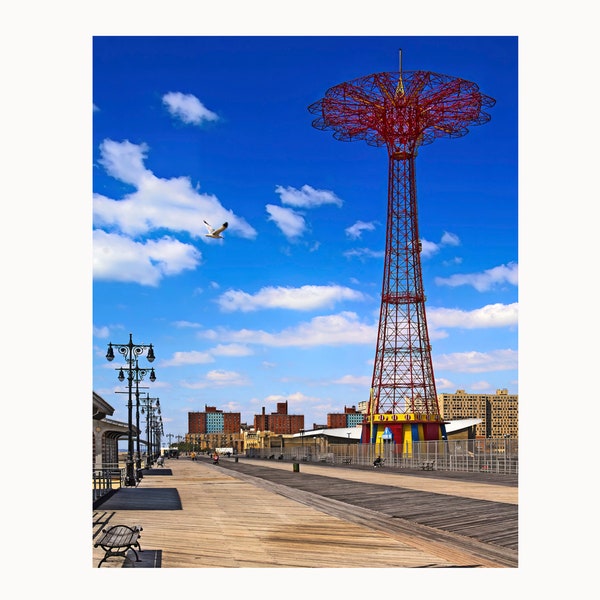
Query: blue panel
x=415 y=433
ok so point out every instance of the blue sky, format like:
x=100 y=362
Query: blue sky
x=285 y=307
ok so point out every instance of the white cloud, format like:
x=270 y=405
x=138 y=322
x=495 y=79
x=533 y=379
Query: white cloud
x=329 y=330
x=157 y=203
x=491 y=315
x=119 y=258
x=218 y=379
x=480 y=386
x=307 y=297
x=101 y=332
x=477 y=362
x=188 y=108
x=450 y=239
x=306 y=196
x=186 y=324
x=362 y=381
x=124 y=161
x=486 y=280
x=430 y=248
x=291 y=223
x=188 y=358
x=363 y=253
x=231 y=350
x=297 y=402
x=354 y=232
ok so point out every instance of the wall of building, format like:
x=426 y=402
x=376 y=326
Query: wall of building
x=499 y=412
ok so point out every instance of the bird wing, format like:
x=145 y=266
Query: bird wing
x=221 y=229
x=210 y=229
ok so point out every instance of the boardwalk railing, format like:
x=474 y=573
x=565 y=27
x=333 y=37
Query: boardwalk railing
x=486 y=455
x=107 y=478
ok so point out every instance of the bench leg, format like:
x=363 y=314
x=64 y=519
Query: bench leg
x=110 y=552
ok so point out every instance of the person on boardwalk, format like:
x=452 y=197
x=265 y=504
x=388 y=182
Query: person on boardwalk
x=215 y=459
x=377 y=462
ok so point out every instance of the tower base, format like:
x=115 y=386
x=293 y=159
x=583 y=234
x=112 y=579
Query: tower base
x=402 y=430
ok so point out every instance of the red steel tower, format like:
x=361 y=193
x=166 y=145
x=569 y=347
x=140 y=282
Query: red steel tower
x=402 y=111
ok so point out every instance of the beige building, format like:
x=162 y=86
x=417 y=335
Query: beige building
x=499 y=412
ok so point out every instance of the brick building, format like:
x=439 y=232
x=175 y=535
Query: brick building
x=213 y=421
x=349 y=418
x=279 y=422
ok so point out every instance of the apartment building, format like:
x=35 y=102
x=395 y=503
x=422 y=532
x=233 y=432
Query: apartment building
x=349 y=418
x=213 y=421
x=499 y=412
x=279 y=422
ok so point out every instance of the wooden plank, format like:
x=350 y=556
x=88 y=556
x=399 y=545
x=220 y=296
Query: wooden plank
x=226 y=521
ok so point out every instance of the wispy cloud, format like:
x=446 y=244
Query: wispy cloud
x=354 y=232
x=329 y=330
x=186 y=324
x=477 y=362
x=486 y=280
x=306 y=196
x=364 y=253
x=489 y=316
x=361 y=381
x=429 y=248
x=194 y=357
x=231 y=350
x=217 y=379
x=291 y=223
x=187 y=108
x=307 y=297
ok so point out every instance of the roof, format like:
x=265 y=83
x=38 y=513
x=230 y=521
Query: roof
x=354 y=433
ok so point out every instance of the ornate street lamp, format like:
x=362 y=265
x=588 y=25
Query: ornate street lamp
x=130 y=353
x=149 y=409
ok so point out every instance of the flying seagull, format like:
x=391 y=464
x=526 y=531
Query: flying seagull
x=216 y=233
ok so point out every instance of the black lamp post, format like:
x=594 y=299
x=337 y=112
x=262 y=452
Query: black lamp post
x=157 y=430
x=131 y=352
x=148 y=409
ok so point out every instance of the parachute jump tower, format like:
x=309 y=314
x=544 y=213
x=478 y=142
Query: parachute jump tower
x=402 y=111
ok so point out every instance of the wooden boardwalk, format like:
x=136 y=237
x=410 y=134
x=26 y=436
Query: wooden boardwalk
x=258 y=513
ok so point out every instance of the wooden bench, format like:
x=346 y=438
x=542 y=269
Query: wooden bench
x=117 y=540
x=427 y=465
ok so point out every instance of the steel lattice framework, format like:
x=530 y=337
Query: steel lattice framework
x=402 y=111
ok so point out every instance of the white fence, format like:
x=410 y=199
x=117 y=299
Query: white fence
x=490 y=455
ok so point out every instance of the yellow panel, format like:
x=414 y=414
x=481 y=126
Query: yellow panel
x=407 y=437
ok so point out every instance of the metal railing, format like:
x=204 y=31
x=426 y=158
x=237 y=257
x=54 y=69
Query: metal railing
x=494 y=456
x=106 y=478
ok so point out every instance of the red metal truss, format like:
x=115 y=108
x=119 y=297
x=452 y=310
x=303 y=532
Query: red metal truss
x=402 y=111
